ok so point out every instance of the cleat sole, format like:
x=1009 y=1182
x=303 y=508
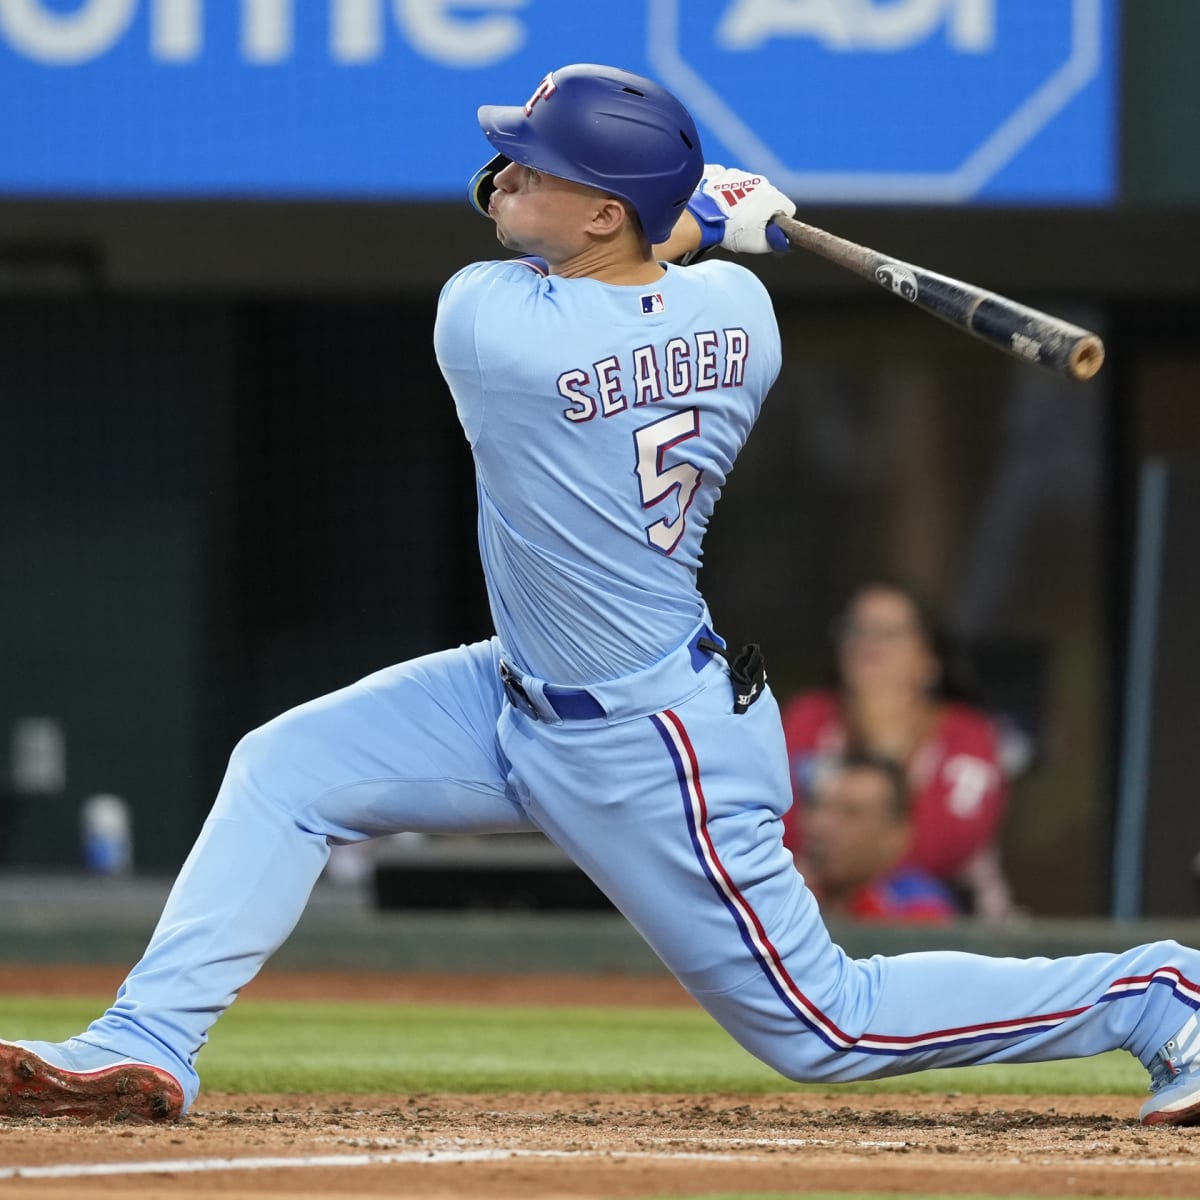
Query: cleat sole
x=133 y=1092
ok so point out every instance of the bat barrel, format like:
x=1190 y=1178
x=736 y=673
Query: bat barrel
x=1023 y=332
x=1015 y=328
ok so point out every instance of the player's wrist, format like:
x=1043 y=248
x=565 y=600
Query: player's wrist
x=709 y=218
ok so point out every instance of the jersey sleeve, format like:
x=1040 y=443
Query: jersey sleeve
x=455 y=339
x=454 y=345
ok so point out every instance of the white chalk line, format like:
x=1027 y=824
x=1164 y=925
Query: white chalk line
x=194 y=1166
x=378 y=1143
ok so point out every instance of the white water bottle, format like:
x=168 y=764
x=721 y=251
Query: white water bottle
x=107 y=836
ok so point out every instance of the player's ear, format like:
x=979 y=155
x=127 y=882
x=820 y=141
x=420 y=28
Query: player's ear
x=610 y=215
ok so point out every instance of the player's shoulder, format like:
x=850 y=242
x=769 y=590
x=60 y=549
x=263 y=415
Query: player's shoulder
x=724 y=274
x=723 y=267
x=480 y=277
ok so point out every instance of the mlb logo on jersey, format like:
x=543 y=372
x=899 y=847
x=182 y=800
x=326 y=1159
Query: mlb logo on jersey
x=653 y=303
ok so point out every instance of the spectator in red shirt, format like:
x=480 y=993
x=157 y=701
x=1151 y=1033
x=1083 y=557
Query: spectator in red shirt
x=858 y=826
x=896 y=695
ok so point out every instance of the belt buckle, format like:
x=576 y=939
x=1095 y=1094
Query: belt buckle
x=518 y=697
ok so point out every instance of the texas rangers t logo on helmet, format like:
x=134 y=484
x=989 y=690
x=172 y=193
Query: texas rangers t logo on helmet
x=544 y=91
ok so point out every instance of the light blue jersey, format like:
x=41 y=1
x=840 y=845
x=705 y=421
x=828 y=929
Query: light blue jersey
x=604 y=421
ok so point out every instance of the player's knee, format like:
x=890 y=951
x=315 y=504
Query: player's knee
x=796 y=1052
x=264 y=768
x=804 y=1060
x=1166 y=961
x=254 y=750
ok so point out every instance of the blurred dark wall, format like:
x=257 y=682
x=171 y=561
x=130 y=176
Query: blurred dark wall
x=1162 y=98
x=212 y=510
x=112 y=412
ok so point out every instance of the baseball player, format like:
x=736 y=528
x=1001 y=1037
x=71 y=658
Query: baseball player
x=605 y=397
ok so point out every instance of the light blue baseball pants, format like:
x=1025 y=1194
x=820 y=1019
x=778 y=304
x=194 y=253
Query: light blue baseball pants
x=672 y=804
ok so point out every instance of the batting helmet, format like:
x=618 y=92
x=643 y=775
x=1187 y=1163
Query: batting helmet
x=602 y=127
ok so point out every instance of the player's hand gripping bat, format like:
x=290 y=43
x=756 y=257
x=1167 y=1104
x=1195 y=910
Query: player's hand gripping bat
x=1009 y=326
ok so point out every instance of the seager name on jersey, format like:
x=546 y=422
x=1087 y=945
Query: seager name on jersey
x=708 y=359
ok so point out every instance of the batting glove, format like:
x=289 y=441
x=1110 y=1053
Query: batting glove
x=734 y=209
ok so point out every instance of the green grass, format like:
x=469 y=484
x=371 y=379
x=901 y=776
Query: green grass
x=307 y=1047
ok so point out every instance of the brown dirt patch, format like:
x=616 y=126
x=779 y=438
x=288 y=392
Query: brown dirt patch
x=583 y=1146
x=618 y=1146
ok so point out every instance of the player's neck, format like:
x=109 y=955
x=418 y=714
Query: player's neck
x=610 y=264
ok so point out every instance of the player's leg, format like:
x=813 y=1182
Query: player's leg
x=683 y=833
x=412 y=747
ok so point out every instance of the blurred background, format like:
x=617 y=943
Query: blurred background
x=231 y=478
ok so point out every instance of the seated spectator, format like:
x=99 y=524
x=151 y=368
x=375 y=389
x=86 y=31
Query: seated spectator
x=857 y=829
x=897 y=695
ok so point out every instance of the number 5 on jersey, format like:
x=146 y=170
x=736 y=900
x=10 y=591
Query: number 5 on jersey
x=658 y=482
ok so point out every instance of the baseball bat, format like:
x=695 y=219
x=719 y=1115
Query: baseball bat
x=1014 y=328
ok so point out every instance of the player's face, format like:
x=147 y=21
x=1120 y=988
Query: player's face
x=852 y=833
x=882 y=645
x=536 y=213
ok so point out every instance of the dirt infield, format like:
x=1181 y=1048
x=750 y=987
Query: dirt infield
x=531 y=1147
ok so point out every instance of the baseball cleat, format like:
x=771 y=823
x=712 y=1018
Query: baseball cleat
x=123 y=1090
x=1175 y=1080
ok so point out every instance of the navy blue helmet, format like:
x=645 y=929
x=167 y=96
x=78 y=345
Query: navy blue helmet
x=604 y=127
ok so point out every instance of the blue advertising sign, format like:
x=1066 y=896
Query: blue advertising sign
x=932 y=101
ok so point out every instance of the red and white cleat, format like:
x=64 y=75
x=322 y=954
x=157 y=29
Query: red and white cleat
x=122 y=1090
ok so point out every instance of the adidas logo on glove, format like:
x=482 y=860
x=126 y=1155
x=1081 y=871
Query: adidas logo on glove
x=731 y=191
